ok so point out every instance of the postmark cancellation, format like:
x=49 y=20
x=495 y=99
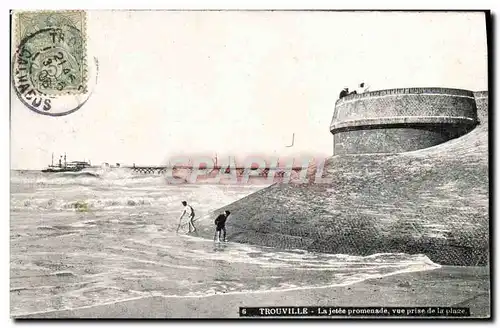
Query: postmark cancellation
x=49 y=55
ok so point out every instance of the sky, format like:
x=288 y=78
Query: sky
x=241 y=83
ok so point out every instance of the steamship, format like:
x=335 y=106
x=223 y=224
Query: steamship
x=64 y=166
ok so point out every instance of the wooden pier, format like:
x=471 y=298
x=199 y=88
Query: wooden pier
x=149 y=169
x=159 y=170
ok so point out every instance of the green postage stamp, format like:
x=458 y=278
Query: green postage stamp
x=50 y=53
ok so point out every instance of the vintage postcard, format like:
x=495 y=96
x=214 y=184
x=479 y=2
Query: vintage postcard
x=249 y=164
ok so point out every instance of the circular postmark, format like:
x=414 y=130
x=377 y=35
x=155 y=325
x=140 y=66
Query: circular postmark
x=49 y=71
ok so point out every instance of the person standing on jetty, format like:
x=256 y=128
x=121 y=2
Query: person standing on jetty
x=362 y=88
x=220 y=225
x=189 y=211
x=344 y=92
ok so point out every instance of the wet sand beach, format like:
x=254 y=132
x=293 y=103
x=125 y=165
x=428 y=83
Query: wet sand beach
x=448 y=286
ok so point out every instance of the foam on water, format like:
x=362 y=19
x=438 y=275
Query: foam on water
x=122 y=245
x=87 y=177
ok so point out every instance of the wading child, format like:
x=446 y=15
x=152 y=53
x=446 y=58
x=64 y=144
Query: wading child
x=220 y=225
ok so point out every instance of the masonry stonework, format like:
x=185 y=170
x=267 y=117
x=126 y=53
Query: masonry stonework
x=402 y=120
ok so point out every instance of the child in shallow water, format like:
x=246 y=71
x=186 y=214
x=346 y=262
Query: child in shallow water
x=220 y=225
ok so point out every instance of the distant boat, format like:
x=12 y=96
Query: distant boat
x=73 y=166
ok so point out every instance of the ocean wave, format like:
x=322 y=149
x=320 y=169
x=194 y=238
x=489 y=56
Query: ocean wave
x=77 y=174
x=204 y=198
x=127 y=177
x=86 y=177
x=84 y=204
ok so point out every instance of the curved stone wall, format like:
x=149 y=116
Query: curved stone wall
x=482 y=106
x=400 y=120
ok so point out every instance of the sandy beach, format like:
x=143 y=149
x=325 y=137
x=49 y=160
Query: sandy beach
x=446 y=287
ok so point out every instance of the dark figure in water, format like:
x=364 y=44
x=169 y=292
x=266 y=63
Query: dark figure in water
x=344 y=92
x=220 y=225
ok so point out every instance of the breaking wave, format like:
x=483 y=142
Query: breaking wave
x=77 y=174
x=85 y=204
x=87 y=177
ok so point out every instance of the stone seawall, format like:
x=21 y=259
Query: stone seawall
x=400 y=120
x=482 y=106
x=433 y=201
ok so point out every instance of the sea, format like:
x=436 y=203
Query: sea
x=79 y=239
